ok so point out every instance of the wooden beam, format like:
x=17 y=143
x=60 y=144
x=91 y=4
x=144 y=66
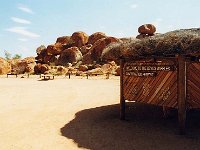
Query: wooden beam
x=122 y=100
x=181 y=93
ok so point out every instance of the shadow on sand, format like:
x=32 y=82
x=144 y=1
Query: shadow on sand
x=145 y=129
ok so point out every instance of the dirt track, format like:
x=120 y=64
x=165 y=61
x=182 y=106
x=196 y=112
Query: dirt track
x=72 y=114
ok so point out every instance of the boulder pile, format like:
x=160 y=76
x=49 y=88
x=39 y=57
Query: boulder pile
x=72 y=49
x=80 y=50
x=21 y=66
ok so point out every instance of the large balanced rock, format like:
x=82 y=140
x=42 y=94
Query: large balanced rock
x=70 y=55
x=95 y=37
x=5 y=67
x=79 y=39
x=98 y=47
x=147 y=29
x=185 y=41
x=54 y=49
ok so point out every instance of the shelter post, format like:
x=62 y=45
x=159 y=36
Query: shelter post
x=181 y=93
x=122 y=100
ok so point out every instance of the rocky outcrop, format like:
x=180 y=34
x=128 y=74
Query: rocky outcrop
x=72 y=49
x=70 y=55
x=79 y=39
x=25 y=65
x=95 y=37
x=185 y=41
x=5 y=66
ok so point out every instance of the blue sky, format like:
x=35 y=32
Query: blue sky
x=27 y=24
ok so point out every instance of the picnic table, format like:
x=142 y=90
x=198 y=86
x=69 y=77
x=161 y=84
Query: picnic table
x=47 y=77
x=12 y=74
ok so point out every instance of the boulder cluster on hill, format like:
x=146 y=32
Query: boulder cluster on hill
x=80 y=51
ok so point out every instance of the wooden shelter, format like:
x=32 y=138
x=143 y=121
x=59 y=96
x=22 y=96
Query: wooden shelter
x=162 y=70
x=168 y=81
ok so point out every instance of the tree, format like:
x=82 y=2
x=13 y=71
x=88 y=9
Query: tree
x=17 y=56
x=7 y=55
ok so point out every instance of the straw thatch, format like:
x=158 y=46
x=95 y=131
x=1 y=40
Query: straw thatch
x=184 y=41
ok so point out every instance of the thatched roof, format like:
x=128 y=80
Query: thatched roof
x=184 y=41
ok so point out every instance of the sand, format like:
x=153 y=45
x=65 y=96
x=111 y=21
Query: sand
x=70 y=114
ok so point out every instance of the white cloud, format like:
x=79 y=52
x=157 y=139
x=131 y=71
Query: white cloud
x=19 y=20
x=23 y=39
x=25 y=9
x=23 y=31
x=134 y=6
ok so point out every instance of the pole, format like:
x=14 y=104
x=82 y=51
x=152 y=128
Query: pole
x=122 y=100
x=181 y=93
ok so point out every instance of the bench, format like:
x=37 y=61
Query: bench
x=12 y=74
x=47 y=77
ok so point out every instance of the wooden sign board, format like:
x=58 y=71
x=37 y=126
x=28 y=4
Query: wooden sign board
x=152 y=83
x=146 y=69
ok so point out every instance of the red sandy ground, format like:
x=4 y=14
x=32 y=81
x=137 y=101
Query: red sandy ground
x=65 y=114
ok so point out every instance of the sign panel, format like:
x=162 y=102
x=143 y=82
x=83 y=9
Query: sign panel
x=146 y=69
